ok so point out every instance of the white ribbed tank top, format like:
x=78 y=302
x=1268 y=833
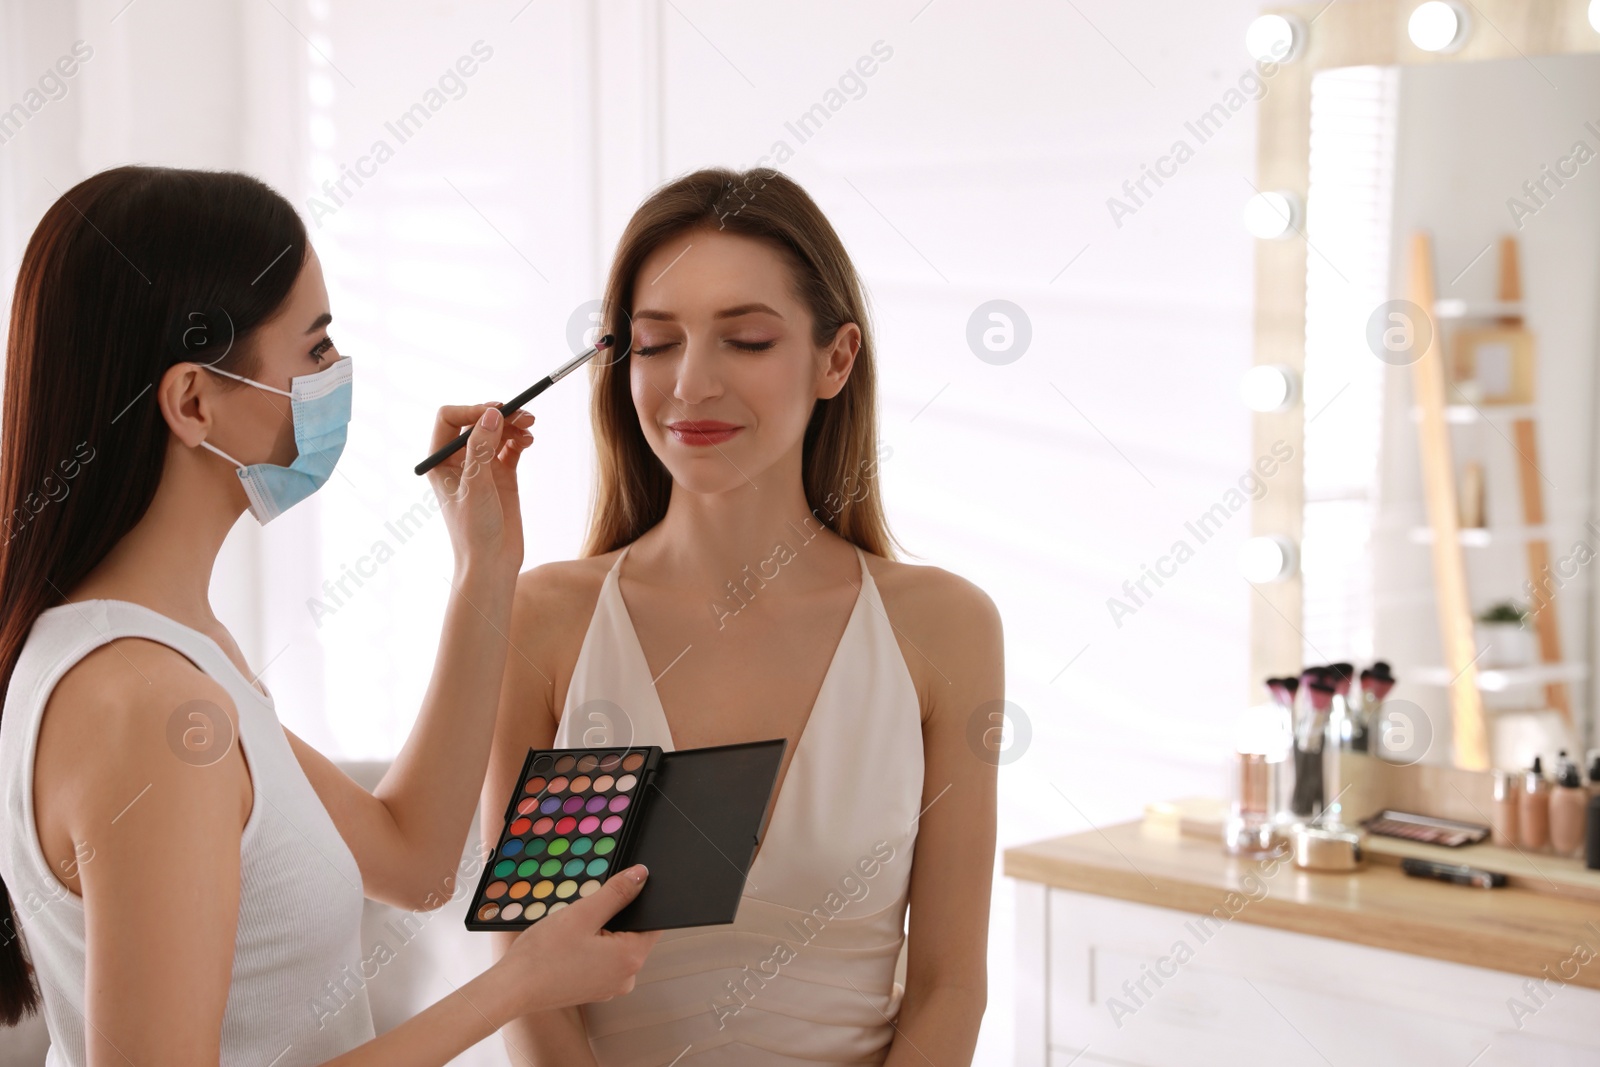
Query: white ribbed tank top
x=806 y=973
x=298 y=995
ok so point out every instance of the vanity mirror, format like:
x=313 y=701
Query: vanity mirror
x=1432 y=303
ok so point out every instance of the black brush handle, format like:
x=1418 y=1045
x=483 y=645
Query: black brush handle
x=512 y=406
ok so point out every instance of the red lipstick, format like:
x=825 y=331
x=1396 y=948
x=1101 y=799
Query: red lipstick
x=703 y=432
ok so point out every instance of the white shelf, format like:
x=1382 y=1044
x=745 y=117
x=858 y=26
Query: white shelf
x=1496 y=679
x=1477 y=309
x=1484 y=536
x=1465 y=414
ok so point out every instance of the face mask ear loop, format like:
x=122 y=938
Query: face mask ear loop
x=220 y=452
x=247 y=381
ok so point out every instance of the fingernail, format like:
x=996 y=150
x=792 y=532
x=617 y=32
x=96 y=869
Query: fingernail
x=490 y=419
x=638 y=872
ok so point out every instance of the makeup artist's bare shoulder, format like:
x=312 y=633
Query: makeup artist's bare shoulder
x=942 y=621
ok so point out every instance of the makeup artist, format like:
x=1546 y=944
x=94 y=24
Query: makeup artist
x=183 y=877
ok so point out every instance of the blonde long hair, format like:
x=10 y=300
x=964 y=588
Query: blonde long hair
x=840 y=450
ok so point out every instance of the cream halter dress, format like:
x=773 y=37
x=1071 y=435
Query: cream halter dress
x=806 y=975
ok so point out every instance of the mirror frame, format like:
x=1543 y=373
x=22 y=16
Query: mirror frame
x=1349 y=33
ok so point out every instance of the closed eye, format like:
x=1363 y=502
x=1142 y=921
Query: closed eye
x=646 y=351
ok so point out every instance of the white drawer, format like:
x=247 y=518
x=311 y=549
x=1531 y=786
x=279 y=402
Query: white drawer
x=1225 y=993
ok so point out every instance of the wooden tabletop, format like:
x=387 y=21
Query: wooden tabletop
x=1507 y=929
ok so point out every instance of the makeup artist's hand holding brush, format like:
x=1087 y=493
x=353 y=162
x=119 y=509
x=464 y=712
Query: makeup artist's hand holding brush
x=477 y=487
x=571 y=958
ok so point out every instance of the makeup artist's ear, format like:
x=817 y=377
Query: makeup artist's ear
x=184 y=394
x=837 y=359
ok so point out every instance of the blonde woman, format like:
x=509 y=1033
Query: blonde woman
x=737 y=584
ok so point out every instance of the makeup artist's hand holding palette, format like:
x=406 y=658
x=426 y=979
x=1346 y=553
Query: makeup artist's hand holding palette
x=694 y=817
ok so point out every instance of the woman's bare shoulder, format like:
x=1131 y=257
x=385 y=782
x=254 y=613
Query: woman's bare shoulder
x=913 y=591
x=565 y=585
x=945 y=624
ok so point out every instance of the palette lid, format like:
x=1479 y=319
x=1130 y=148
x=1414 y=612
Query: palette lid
x=704 y=813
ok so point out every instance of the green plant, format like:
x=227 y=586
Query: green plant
x=1505 y=611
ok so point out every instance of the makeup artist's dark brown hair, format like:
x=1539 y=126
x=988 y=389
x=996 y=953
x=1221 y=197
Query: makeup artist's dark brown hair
x=130 y=271
x=839 y=452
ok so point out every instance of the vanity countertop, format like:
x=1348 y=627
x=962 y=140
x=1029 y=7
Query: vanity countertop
x=1507 y=929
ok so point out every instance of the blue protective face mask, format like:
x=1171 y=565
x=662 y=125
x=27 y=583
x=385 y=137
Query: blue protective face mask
x=320 y=408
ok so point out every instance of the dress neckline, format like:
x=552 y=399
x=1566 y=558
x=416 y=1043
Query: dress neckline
x=614 y=577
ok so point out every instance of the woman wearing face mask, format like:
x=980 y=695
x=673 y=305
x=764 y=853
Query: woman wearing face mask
x=736 y=586
x=185 y=875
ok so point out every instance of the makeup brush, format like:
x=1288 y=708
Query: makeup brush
x=512 y=406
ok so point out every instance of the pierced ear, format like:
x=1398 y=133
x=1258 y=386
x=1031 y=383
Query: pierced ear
x=840 y=359
x=184 y=398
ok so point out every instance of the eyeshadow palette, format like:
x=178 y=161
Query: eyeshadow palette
x=1425 y=828
x=694 y=817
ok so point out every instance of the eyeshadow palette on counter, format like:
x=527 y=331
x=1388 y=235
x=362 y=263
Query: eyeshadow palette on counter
x=694 y=817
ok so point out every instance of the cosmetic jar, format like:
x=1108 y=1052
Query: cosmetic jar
x=1316 y=849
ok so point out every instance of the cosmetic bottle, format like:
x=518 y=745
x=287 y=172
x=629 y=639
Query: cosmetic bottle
x=1503 y=821
x=1569 y=805
x=1282 y=691
x=1533 y=808
x=1348 y=774
x=1591 y=854
x=1261 y=748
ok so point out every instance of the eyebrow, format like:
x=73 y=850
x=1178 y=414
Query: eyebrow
x=321 y=321
x=725 y=313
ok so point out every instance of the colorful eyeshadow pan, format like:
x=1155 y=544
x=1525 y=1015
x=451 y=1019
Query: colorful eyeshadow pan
x=552 y=850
